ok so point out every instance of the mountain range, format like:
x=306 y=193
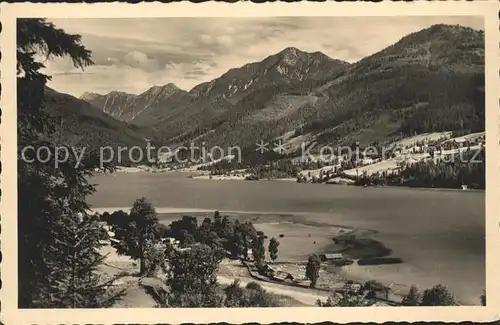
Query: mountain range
x=431 y=80
x=81 y=124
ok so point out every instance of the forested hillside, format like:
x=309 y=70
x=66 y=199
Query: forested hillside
x=431 y=80
x=82 y=125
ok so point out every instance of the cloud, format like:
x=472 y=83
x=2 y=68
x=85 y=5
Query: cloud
x=133 y=54
x=224 y=40
x=206 y=39
x=134 y=73
x=140 y=60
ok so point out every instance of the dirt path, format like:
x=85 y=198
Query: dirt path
x=307 y=298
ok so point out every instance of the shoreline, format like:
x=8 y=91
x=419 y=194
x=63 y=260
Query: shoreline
x=296 y=228
x=204 y=176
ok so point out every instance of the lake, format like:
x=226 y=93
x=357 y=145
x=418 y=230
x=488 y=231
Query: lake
x=440 y=234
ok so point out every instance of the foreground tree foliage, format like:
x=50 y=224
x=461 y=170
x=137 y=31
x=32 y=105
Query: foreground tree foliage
x=190 y=267
x=193 y=277
x=483 y=298
x=233 y=236
x=252 y=295
x=57 y=243
x=438 y=295
x=413 y=298
x=137 y=232
x=347 y=299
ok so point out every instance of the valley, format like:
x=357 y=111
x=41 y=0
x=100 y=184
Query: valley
x=429 y=83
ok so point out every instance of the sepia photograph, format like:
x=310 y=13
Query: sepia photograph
x=254 y=161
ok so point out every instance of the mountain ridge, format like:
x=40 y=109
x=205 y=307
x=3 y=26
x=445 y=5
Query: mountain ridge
x=426 y=81
x=169 y=85
x=80 y=124
x=127 y=107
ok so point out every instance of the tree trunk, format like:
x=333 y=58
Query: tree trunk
x=142 y=270
x=313 y=281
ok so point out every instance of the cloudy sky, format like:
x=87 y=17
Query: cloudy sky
x=134 y=54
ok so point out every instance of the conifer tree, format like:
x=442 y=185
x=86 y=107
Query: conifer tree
x=73 y=274
x=273 y=248
x=413 y=298
x=312 y=269
x=53 y=270
x=258 y=249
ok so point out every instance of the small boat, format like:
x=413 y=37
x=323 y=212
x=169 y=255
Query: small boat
x=464 y=187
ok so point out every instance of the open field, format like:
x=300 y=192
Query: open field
x=411 y=141
x=389 y=165
x=135 y=294
x=299 y=240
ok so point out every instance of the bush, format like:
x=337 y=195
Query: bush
x=103 y=234
x=252 y=178
x=253 y=295
x=373 y=285
x=438 y=295
x=106 y=217
x=194 y=277
x=413 y=298
x=155 y=258
x=254 y=286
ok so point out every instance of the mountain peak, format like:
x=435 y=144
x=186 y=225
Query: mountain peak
x=168 y=87
x=290 y=56
x=118 y=93
x=162 y=91
x=447 y=27
x=291 y=50
x=444 y=32
x=87 y=96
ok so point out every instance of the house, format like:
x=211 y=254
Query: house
x=250 y=254
x=268 y=271
x=113 y=240
x=332 y=257
x=282 y=276
x=352 y=287
x=170 y=240
x=367 y=161
x=110 y=235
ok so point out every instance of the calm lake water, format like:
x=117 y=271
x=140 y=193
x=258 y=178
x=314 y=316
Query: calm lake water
x=440 y=234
